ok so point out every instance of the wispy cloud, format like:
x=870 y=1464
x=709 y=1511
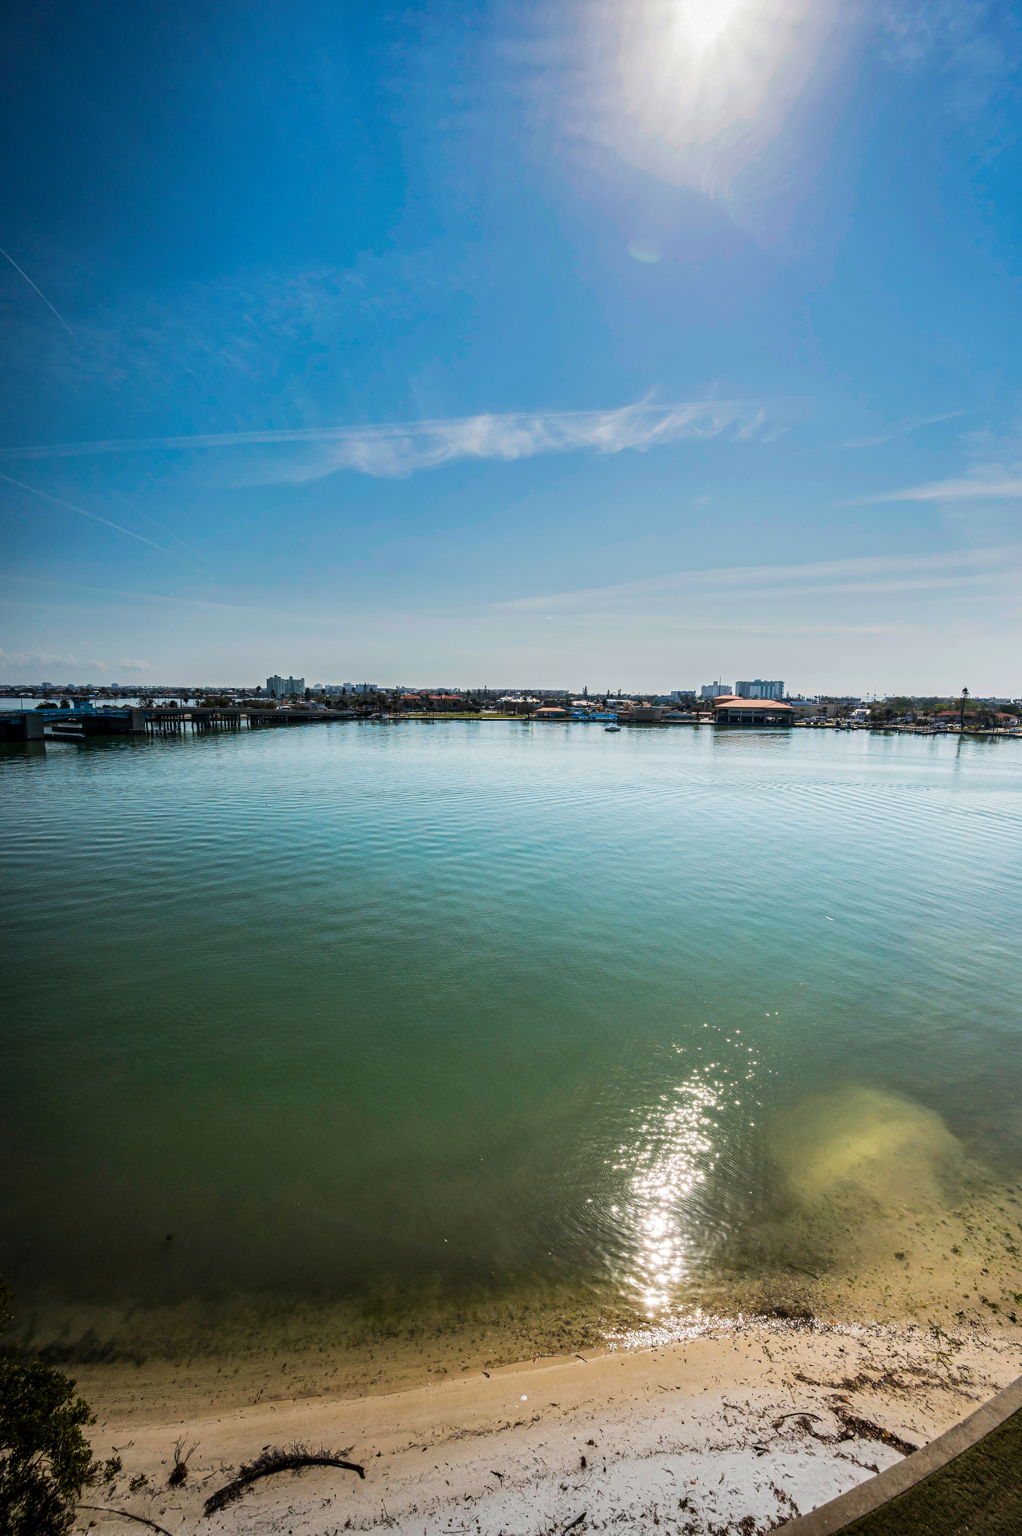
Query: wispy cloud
x=400 y=448
x=993 y=472
x=42 y=660
x=876 y=574
x=972 y=43
x=964 y=489
x=39 y=659
x=903 y=429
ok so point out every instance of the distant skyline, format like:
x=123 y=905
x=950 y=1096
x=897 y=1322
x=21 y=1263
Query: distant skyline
x=485 y=341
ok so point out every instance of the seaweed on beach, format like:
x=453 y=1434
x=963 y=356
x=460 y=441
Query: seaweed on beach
x=292 y=1458
x=853 y=1427
x=180 y=1470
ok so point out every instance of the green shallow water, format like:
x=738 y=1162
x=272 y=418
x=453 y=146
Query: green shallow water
x=429 y=1011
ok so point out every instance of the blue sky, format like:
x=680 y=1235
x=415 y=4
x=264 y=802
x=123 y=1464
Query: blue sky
x=630 y=345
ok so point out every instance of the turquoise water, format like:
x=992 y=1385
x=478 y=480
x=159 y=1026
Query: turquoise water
x=351 y=1009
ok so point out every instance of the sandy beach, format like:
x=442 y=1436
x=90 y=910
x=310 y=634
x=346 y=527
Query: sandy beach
x=525 y=1415
x=729 y=1431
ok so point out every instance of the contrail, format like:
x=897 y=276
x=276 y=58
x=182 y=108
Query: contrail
x=164 y=529
x=94 y=516
x=40 y=292
x=513 y=435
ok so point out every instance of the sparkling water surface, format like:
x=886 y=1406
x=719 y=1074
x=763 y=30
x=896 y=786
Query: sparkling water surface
x=342 y=1008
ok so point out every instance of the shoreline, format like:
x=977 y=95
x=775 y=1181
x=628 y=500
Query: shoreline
x=947 y=1259
x=864 y=1313
x=729 y=1430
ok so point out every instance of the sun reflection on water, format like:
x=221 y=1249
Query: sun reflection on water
x=671 y=1159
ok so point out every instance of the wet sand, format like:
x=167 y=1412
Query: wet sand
x=729 y=1431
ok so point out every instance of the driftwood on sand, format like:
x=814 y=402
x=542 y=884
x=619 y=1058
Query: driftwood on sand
x=122 y=1514
x=294 y=1458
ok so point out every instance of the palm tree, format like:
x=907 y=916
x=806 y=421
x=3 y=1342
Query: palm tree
x=961 y=709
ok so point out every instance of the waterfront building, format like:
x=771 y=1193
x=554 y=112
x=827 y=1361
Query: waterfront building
x=643 y=714
x=714 y=690
x=729 y=709
x=285 y=687
x=759 y=688
x=338 y=690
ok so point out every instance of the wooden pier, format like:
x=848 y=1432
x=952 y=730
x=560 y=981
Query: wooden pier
x=82 y=725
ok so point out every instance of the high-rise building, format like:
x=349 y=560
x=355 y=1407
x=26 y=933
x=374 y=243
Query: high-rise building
x=760 y=688
x=285 y=687
x=714 y=690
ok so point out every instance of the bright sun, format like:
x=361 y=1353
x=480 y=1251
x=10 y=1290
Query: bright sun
x=702 y=25
x=699 y=90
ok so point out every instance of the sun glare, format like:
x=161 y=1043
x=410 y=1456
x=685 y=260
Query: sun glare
x=699 y=90
x=669 y=1161
x=703 y=25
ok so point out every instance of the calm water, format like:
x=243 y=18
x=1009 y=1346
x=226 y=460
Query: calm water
x=356 y=1007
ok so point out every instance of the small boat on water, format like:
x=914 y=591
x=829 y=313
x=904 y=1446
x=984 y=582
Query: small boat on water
x=611 y=727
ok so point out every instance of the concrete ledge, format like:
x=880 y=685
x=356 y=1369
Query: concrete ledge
x=915 y=1469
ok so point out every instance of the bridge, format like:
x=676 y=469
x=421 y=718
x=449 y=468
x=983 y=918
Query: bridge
x=81 y=725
